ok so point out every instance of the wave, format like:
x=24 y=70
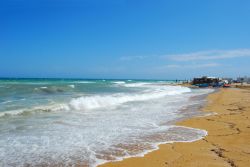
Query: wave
x=84 y=82
x=10 y=101
x=102 y=101
x=139 y=84
x=49 y=90
x=97 y=101
x=37 y=109
x=131 y=84
x=119 y=82
x=72 y=86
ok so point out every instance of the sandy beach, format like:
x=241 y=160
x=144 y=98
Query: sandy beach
x=227 y=143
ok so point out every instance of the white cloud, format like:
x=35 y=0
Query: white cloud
x=210 y=55
x=190 y=66
x=173 y=66
x=128 y=58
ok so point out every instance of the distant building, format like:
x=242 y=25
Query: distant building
x=206 y=80
x=243 y=79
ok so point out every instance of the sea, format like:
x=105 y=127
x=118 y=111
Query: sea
x=76 y=122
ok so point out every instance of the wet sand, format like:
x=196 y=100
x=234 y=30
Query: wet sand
x=227 y=143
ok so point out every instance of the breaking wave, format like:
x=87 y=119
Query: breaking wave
x=102 y=101
x=97 y=101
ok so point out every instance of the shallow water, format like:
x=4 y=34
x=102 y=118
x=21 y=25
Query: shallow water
x=88 y=122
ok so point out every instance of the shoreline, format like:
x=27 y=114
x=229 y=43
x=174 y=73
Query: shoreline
x=187 y=112
x=215 y=148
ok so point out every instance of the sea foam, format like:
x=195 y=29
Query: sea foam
x=92 y=102
x=91 y=128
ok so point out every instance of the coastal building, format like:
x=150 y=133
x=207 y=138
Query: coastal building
x=209 y=81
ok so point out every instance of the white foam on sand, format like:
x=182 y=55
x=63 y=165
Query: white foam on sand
x=200 y=134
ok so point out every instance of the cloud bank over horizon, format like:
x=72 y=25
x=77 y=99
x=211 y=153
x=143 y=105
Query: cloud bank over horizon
x=208 y=62
x=211 y=55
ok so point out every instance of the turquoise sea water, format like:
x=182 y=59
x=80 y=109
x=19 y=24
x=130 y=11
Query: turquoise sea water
x=68 y=122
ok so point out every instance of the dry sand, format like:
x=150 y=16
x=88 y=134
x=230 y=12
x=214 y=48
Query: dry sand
x=227 y=143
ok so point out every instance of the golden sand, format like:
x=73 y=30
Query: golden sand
x=227 y=143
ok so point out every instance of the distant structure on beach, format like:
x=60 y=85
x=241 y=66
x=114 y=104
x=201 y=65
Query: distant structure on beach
x=205 y=80
x=218 y=82
x=243 y=80
x=212 y=81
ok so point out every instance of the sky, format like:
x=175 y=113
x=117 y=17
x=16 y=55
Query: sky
x=130 y=39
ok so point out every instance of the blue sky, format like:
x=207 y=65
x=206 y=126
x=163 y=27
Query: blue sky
x=163 y=39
